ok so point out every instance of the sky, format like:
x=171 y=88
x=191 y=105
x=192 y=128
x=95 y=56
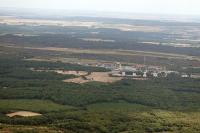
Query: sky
x=183 y=7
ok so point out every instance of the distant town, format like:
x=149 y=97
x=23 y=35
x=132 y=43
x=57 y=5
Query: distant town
x=142 y=71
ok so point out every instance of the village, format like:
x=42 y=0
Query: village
x=140 y=71
x=117 y=71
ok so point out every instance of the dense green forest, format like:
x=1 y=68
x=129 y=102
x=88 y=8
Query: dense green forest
x=155 y=105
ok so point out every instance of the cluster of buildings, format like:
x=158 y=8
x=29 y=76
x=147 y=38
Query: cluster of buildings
x=139 y=71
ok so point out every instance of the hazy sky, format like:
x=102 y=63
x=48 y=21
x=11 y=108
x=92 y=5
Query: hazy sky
x=136 y=6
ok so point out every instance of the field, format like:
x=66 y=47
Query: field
x=113 y=52
x=27 y=129
x=36 y=22
x=31 y=105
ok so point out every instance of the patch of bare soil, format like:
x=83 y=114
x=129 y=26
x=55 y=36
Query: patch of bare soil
x=23 y=114
x=77 y=73
x=139 y=78
x=102 y=77
x=95 y=76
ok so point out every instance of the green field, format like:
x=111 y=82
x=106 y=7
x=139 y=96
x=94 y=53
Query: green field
x=26 y=129
x=32 y=105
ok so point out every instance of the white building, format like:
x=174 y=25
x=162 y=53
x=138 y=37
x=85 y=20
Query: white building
x=116 y=73
x=145 y=74
x=155 y=74
x=123 y=73
x=134 y=75
x=128 y=68
x=118 y=65
x=184 y=76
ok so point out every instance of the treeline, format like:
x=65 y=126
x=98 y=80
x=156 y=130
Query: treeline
x=9 y=64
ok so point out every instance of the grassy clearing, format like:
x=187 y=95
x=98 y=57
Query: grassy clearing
x=120 y=106
x=26 y=129
x=32 y=105
x=113 y=52
x=127 y=117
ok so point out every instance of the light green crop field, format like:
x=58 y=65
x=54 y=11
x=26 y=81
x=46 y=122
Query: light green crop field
x=32 y=105
x=26 y=129
x=120 y=106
